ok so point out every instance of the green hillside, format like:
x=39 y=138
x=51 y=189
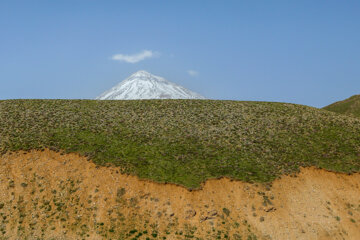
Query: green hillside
x=186 y=141
x=350 y=106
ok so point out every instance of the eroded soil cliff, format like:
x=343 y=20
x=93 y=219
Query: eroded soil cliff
x=49 y=195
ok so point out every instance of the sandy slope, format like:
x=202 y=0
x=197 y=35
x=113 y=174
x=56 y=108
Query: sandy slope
x=48 y=195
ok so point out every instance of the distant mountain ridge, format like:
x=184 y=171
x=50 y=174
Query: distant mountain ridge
x=144 y=85
x=350 y=106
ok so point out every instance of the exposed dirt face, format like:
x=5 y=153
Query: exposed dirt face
x=48 y=195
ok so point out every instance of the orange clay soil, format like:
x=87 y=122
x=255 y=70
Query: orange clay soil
x=47 y=195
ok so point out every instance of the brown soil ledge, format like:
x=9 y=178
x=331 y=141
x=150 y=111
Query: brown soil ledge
x=47 y=195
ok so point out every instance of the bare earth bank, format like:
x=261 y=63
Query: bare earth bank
x=48 y=195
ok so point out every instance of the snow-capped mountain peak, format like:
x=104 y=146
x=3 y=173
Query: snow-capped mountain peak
x=141 y=73
x=144 y=85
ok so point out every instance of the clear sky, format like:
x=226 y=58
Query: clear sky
x=305 y=52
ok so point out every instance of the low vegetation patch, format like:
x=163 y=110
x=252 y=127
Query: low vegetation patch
x=350 y=106
x=186 y=141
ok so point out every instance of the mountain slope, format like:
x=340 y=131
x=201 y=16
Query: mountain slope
x=186 y=141
x=350 y=106
x=143 y=85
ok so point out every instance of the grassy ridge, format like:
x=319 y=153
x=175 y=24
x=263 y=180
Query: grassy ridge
x=350 y=106
x=186 y=141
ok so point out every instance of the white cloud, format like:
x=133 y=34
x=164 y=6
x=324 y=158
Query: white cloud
x=135 y=57
x=193 y=73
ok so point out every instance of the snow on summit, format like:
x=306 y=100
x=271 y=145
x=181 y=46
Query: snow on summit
x=144 y=85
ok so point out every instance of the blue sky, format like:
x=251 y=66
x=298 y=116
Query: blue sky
x=305 y=52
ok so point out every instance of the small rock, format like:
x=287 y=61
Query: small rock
x=203 y=218
x=212 y=213
x=270 y=209
x=190 y=213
